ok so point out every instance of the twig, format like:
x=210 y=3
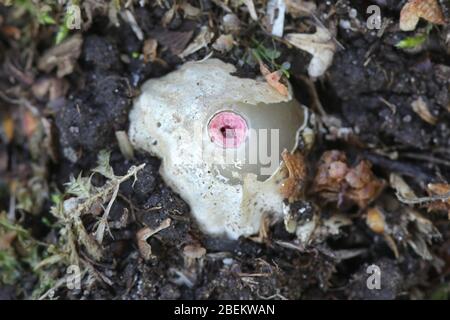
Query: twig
x=439 y=197
x=425 y=157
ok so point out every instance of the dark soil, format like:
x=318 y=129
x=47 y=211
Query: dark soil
x=369 y=87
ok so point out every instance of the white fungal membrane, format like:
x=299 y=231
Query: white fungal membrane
x=220 y=138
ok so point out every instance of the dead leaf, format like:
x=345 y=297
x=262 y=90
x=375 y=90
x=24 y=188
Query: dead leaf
x=190 y=11
x=224 y=43
x=168 y=16
x=416 y=9
x=273 y=79
x=298 y=8
x=292 y=188
x=320 y=45
x=421 y=108
x=149 y=50
x=401 y=187
x=175 y=41
x=201 y=40
x=422 y=234
x=439 y=189
x=62 y=56
x=251 y=9
x=144 y=247
x=365 y=187
x=194 y=251
x=392 y=245
x=8 y=127
x=375 y=220
x=231 y=23
x=6 y=239
x=129 y=18
x=335 y=180
x=143 y=234
x=29 y=123
x=50 y=88
x=125 y=146
x=11 y=32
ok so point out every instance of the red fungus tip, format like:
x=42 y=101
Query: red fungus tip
x=227 y=129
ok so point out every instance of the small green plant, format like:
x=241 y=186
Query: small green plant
x=41 y=12
x=19 y=252
x=415 y=41
x=269 y=56
x=85 y=198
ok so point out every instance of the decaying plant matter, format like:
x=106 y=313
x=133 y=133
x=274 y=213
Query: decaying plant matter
x=364 y=182
x=88 y=199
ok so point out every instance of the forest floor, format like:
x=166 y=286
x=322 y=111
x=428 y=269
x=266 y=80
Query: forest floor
x=382 y=110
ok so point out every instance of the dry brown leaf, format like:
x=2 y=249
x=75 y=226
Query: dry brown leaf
x=149 y=50
x=439 y=189
x=231 y=23
x=50 y=88
x=392 y=245
x=143 y=234
x=273 y=79
x=292 y=188
x=200 y=41
x=224 y=43
x=190 y=11
x=11 y=32
x=8 y=127
x=176 y=41
x=62 y=56
x=168 y=16
x=251 y=9
x=297 y=8
x=331 y=172
x=194 y=251
x=420 y=107
x=6 y=239
x=401 y=187
x=375 y=220
x=320 y=45
x=144 y=248
x=416 y=9
x=29 y=123
x=335 y=180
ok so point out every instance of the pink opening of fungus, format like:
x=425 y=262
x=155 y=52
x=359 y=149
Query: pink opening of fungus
x=227 y=129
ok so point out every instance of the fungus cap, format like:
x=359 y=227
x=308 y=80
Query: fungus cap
x=220 y=138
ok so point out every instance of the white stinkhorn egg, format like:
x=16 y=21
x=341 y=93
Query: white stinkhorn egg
x=220 y=138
